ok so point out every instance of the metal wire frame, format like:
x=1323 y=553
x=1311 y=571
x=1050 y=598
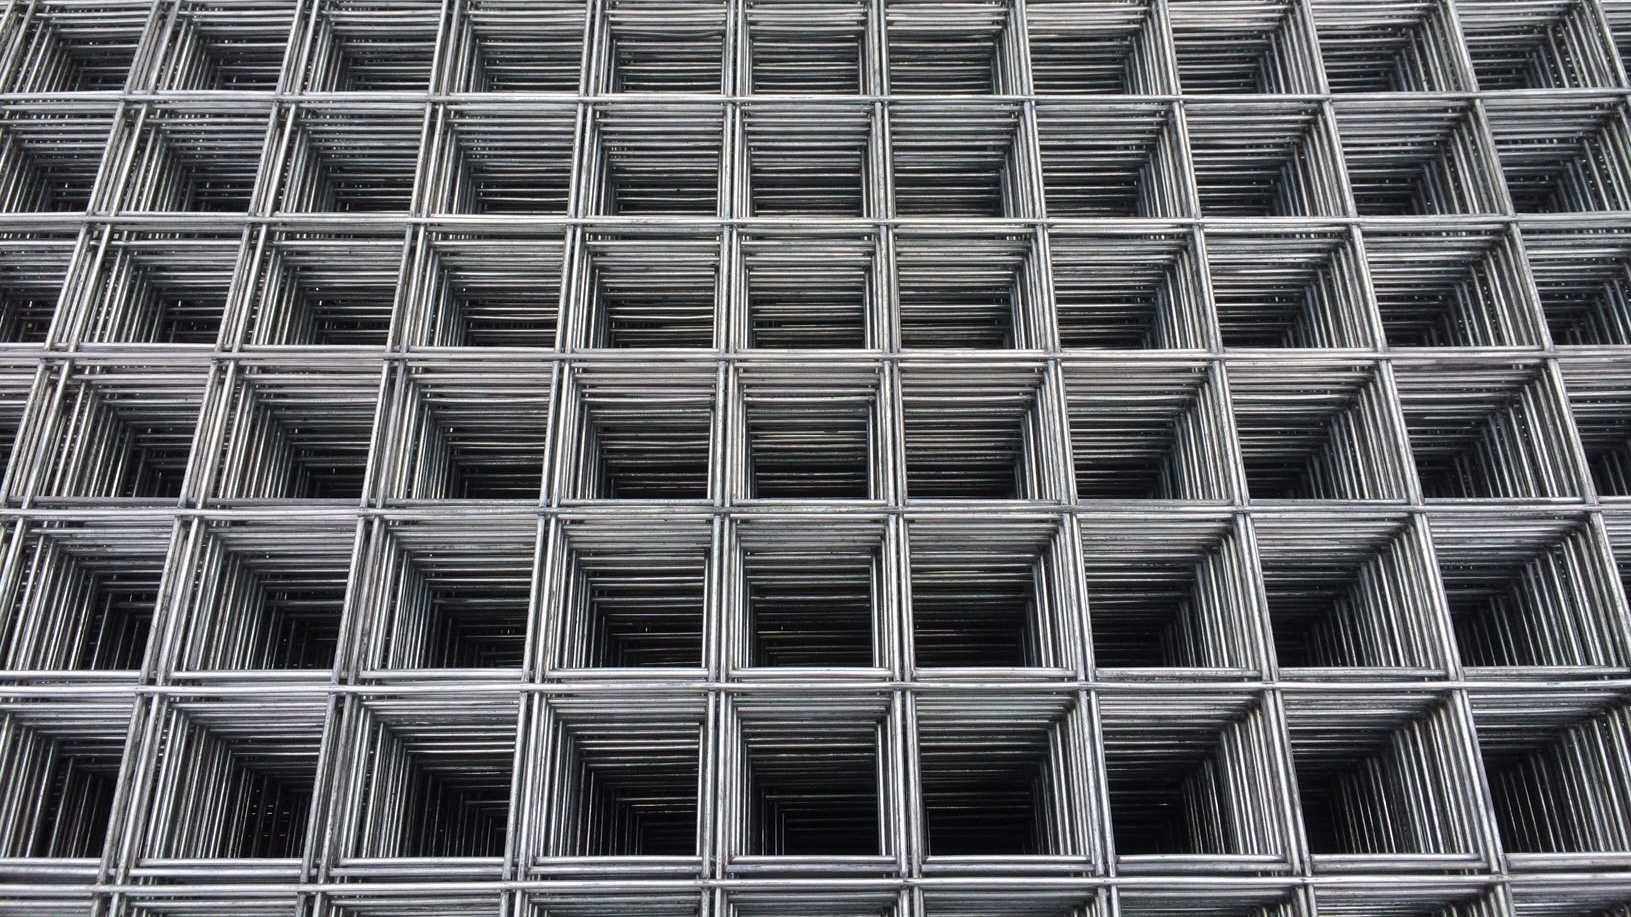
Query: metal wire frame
x=808 y=442
x=1160 y=436
x=493 y=159
x=33 y=265
x=1584 y=166
x=645 y=158
x=1597 y=403
x=16 y=388
x=1301 y=288
x=812 y=785
x=1619 y=542
x=1268 y=901
x=224 y=784
x=1353 y=598
x=1171 y=597
x=203 y=157
x=1545 y=896
x=309 y=285
x=483 y=289
x=1538 y=44
x=620 y=439
x=1244 y=46
x=168 y=288
x=80 y=595
x=1386 y=744
x=1537 y=593
x=73 y=45
x=432 y=779
x=1553 y=764
x=454 y=443
x=115 y=430
x=1198 y=788
x=52 y=152
x=994 y=434
x=989 y=595
x=1467 y=287
x=963 y=159
x=63 y=757
x=1108 y=48
x=1319 y=431
x=803 y=48
x=347 y=155
x=446 y=594
x=961 y=47
x=516 y=46
x=261 y=595
x=1390 y=46
x=619 y=780
x=633 y=593
x=780 y=569
x=810 y=288
x=438 y=307
x=1112 y=160
x=1003 y=775
x=290 y=432
x=1617 y=16
x=1577 y=273
x=807 y=160
x=238 y=45
x=1130 y=288
x=969 y=291
x=643 y=46
x=1258 y=158
x=1489 y=431
x=1404 y=897
x=367 y=45
x=1418 y=157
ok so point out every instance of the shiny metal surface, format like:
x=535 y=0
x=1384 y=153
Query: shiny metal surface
x=733 y=458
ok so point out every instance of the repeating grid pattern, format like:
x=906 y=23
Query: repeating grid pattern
x=719 y=458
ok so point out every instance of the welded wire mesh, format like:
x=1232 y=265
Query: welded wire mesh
x=815 y=458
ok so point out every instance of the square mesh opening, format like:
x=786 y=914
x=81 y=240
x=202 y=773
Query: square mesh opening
x=1451 y=287
x=450 y=594
x=632 y=593
x=1249 y=46
x=1355 y=593
x=961 y=47
x=62 y=761
x=1129 y=290
x=821 y=47
x=1391 y=781
x=1537 y=593
x=266 y=596
x=1003 y=781
x=1113 y=160
x=1389 y=46
x=628 y=440
x=990 y=594
x=432 y=776
x=1198 y=779
x=1173 y=594
x=80 y=596
x=622 y=776
x=1114 y=48
x=811 y=596
x=811 y=776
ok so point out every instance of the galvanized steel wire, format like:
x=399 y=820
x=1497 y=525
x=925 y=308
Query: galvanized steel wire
x=732 y=458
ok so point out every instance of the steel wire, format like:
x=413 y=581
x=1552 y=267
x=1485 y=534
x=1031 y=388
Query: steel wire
x=824 y=458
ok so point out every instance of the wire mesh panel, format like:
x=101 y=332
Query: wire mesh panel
x=815 y=458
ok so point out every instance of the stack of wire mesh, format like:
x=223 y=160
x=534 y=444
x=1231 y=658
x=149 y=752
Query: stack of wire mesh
x=815 y=458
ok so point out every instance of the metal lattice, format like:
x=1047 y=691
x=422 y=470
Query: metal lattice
x=815 y=458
